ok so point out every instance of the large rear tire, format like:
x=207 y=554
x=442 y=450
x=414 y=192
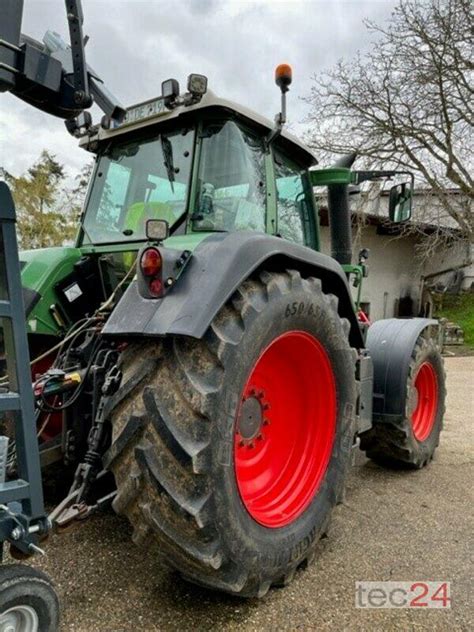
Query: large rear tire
x=230 y=452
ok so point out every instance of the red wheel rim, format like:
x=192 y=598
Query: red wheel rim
x=281 y=459
x=426 y=386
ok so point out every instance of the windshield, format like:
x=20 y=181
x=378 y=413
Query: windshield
x=136 y=181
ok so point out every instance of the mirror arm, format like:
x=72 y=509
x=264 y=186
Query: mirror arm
x=362 y=176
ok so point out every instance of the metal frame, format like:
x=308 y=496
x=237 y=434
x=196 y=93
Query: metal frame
x=21 y=500
x=55 y=79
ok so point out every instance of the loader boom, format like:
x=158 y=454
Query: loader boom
x=51 y=75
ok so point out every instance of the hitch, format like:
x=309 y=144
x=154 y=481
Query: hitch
x=70 y=509
x=106 y=378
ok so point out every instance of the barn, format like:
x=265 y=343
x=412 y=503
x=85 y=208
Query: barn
x=406 y=264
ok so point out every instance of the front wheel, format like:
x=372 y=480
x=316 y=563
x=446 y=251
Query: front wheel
x=412 y=440
x=28 y=601
x=230 y=452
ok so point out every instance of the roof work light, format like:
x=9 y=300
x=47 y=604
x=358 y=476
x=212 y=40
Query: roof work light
x=197 y=84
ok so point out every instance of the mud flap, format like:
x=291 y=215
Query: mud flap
x=390 y=343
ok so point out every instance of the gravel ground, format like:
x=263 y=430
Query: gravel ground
x=393 y=525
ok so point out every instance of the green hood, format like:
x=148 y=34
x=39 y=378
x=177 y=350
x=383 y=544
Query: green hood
x=40 y=271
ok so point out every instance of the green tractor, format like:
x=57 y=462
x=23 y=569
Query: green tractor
x=197 y=344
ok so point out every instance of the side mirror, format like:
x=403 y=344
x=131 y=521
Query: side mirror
x=399 y=203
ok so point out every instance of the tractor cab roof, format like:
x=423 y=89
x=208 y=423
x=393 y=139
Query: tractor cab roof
x=154 y=112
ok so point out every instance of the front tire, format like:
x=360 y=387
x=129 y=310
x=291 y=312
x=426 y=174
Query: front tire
x=231 y=451
x=411 y=441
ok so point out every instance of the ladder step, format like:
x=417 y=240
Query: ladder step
x=5 y=309
x=13 y=491
x=9 y=401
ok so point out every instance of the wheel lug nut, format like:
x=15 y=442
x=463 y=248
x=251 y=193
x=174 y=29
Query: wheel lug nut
x=251 y=445
x=260 y=437
x=266 y=422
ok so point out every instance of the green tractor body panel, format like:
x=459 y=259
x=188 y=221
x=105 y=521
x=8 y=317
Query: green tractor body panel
x=328 y=177
x=42 y=270
x=189 y=241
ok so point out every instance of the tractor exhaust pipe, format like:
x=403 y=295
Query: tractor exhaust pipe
x=340 y=216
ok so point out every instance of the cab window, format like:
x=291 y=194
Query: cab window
x=294 y=202
x=136 y=181
x=231 y=184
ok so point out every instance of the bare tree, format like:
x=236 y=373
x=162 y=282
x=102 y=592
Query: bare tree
x=408 y=102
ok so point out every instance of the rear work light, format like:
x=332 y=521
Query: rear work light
x=151 y=266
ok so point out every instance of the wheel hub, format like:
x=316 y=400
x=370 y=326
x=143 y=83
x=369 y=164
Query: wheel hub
x=20 y=618
x=252 y=418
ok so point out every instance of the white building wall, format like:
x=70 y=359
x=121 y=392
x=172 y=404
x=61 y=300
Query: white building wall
x=393 y=271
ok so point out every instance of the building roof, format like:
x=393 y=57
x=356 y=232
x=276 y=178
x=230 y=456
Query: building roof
x=428 y=213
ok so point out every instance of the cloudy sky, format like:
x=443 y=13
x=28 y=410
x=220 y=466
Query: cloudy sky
x=136 y=44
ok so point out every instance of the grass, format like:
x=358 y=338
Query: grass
x=460 y=310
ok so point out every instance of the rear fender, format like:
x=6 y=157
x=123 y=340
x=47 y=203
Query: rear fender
x=390 y=343
x=218 y=266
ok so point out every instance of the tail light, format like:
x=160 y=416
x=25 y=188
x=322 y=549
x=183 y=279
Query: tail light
x=151 y=266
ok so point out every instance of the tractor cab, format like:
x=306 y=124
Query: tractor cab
x=202 y=166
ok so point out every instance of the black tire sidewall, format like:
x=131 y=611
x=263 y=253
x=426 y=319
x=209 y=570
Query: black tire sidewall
x=247 y=540
x=24 y=586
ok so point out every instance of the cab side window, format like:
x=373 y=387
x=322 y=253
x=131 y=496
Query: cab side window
x=232 y=192
x=294 y=202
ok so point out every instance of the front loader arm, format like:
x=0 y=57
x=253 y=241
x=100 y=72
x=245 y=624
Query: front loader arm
x=51 y=75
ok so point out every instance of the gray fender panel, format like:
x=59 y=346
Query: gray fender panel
x=390 y=343
x=219 y=265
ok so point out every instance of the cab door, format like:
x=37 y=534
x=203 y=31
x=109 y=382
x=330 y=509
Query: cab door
x=296 y=210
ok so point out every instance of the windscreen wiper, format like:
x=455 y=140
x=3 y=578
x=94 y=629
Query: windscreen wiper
x=167 y=149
